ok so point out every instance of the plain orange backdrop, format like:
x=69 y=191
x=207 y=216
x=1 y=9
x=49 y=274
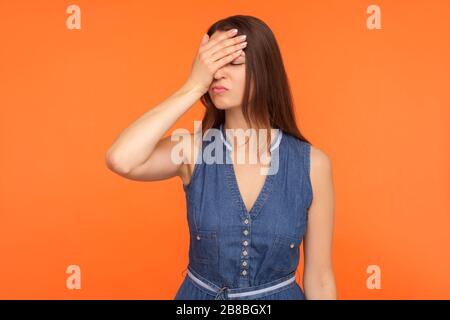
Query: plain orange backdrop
x=376 y=101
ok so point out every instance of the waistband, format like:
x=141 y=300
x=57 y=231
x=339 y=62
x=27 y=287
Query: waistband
x=225 y=293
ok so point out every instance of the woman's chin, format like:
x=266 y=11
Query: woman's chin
x=223 y=106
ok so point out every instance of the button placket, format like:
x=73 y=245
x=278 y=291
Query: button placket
x=245 y=248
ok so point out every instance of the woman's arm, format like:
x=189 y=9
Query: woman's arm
x=140 y=152
x=318 y=275
x=141 y=146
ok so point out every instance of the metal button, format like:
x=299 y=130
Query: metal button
x=198 y=237
x=244 y=272
x=244 y=263
x=292 y=245
x=246 y=221
x=245 y=243
x=244 y=252
x=246 y=232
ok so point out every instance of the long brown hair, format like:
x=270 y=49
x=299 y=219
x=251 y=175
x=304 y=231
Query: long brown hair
x=271 y=102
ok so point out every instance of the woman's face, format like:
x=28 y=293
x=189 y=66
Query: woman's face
x=232 y=77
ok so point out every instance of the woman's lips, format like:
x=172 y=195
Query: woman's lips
x=219 y=90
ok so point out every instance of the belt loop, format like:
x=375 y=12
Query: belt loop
x=221 y=294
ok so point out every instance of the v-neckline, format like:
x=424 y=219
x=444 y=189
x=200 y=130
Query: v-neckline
x=234 y=185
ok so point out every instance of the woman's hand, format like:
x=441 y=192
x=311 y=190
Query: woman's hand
x=214 y=53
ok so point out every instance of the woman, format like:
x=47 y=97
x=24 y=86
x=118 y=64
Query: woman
x=245 y=227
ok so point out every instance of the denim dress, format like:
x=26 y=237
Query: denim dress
x=239 y=254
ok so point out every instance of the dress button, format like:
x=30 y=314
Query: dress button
x=245 y=243
x=244 y=263
x=246 y=232
x=244 y=272
x=292 y=245
x=198 y=237
x=244 y=252
x=246 y=221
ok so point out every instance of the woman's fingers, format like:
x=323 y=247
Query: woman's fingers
x=217 y=38
x=214 y=52
x=226 y=43
x=227 y=59
x=241 y=44
x=205 y=40
x=222 y=44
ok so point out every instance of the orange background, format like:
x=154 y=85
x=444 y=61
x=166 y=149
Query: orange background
x=376 y=101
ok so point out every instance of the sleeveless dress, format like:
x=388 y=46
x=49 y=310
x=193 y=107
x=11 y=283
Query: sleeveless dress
x=236 y=254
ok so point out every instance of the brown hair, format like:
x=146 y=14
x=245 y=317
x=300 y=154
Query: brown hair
x=271 y=102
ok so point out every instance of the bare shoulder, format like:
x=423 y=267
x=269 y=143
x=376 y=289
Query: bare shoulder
x=321 y=171
x=319 y=160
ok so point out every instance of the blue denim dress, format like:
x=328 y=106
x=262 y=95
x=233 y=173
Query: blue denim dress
x=233 y=251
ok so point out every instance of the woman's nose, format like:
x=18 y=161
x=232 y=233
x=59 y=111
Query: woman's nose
x=218 y=74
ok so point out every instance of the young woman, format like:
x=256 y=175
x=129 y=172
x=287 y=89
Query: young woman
x=245 y=227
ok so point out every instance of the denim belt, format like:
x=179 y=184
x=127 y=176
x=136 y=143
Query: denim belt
x=225 y=293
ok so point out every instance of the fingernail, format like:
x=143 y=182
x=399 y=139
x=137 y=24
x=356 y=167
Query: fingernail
x=234 y=31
